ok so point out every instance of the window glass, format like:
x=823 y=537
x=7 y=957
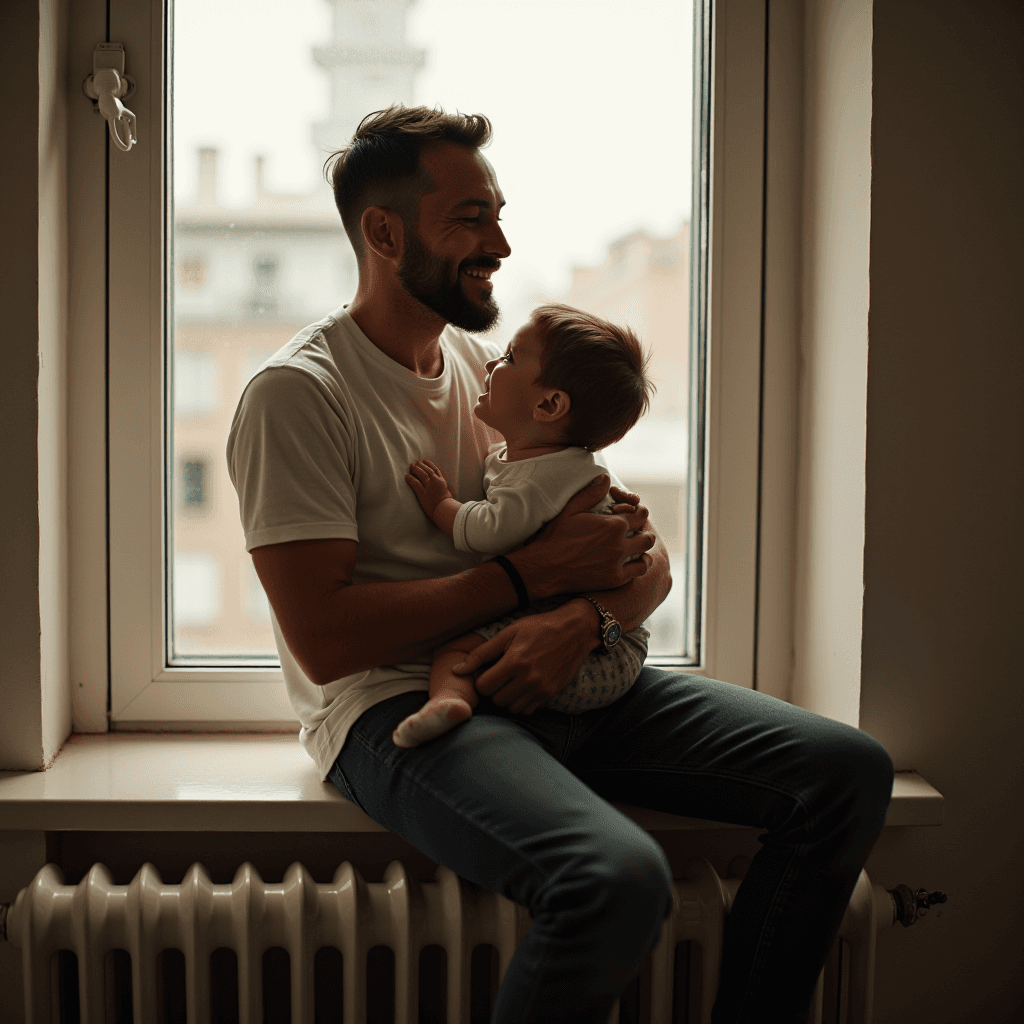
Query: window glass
x=197 y=591
x=195 y=383
x=193 y=483
x=592 y=149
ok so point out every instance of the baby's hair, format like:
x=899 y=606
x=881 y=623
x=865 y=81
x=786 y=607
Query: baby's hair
x=600 y=366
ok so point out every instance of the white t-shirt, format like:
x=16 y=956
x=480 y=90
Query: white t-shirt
x=522 y=496
x=319 y=448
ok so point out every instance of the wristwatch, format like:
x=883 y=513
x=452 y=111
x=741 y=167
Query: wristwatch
x=610 y=630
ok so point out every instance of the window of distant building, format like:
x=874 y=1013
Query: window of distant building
x=195 y=383
x=192 y=273
x=193 y=483
x=197 y=588
x=265 y=268
x=264 y=300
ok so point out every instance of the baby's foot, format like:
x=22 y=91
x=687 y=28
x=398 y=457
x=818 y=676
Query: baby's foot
x=434 y=718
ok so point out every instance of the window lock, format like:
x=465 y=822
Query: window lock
x=107 y=86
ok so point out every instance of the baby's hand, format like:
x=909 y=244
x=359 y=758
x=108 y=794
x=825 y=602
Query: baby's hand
x=428 y=484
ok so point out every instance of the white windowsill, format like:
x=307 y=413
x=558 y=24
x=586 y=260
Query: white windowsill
x=235 y=783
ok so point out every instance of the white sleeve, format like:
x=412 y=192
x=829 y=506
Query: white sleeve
x=292 y=459
x=503 y=520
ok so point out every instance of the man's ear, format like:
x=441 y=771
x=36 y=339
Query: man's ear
x=383 y=232
x=553 y=407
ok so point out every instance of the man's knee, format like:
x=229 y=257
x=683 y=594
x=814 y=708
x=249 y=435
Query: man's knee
x=854 y=777
x=623 y=877
x=638 y=878
x=869 y=769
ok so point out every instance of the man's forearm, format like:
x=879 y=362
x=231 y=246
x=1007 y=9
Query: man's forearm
x=364 y=625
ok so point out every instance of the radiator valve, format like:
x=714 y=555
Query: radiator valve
x=912 y=906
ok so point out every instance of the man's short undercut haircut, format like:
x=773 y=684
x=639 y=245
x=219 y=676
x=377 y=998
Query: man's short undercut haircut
x=601 y=366
x=381 y=165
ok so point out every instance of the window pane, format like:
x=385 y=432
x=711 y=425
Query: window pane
x=592 y=149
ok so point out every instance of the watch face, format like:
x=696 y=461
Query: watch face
x=612 y=636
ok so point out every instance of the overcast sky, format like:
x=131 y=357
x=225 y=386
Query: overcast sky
x=590 y=100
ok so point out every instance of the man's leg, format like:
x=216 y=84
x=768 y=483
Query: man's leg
x=490 y=801
x=706 y=749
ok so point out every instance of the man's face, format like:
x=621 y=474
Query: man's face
x=457 y=242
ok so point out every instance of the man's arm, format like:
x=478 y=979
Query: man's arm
x=335 y=628
x=633 y=604
x=534 y=658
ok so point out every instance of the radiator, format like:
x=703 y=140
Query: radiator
x=300 y=916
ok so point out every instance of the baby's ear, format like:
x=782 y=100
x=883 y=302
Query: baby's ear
x=553 y=407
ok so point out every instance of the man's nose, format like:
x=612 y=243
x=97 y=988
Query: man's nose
x=496 y=243
x=491 y=364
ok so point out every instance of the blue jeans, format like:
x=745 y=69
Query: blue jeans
x=518 y=804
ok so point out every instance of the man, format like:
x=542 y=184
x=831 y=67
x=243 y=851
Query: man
x=363 y=588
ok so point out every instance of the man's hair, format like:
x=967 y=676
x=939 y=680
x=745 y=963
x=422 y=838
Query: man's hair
x=600 y=366
x=381 y=165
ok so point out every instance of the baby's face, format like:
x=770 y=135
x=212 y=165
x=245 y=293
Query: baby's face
x=512 y=388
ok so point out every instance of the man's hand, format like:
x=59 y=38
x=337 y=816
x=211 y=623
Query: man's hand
x=429 y=485
x=578 y=551
x=535 y=657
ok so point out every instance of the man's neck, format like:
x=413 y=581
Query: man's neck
x=403 y=329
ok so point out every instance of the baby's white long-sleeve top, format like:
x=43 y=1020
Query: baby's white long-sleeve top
x=520 y=497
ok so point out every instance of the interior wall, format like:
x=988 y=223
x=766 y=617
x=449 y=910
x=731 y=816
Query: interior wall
x=55 y=682
x=944 y=560
x=832 y=357
x=22 y=854
x=21 y=730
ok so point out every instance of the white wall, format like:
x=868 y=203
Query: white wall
x=52 y=395
x=942 y=685
x=34 y=687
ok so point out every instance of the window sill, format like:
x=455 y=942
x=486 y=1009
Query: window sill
x=229 y=783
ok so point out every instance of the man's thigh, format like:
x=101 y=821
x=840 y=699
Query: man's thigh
x=707 y=749
x=485 y=799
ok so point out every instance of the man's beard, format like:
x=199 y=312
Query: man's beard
x=428 y=279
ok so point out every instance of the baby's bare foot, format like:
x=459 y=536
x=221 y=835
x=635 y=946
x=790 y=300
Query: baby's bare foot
x=437 y=716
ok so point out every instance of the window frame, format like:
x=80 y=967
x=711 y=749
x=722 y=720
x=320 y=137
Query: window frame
x=122 y=438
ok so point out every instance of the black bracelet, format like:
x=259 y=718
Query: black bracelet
x=517 y=581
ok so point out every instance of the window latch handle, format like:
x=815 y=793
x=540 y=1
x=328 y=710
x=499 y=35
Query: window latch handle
x=106 y=87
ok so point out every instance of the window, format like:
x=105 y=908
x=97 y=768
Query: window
x=193 y=483
x=195 y=383
x=197 y=594
x=192 y=273
x=233 y=262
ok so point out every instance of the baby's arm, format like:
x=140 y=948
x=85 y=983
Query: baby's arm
x=434 y=495
x=506 y=519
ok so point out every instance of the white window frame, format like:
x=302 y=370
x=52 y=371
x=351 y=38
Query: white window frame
x=121 y=325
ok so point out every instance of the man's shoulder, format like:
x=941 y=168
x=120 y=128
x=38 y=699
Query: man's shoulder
x=308 y=361
x=300 y=378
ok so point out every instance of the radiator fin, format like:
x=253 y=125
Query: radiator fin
x=301 y=917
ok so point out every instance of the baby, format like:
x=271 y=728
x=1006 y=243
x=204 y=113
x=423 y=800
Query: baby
x=568 y=385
